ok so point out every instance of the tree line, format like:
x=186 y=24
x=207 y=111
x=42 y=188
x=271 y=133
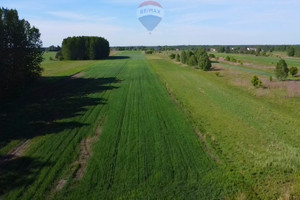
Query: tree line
x=20 y=53
x=85 y=48
x=197 y=58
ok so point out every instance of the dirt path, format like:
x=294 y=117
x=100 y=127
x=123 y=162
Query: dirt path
x=80 y=164
x=15 y=153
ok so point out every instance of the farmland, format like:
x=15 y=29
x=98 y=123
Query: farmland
x=144 y=127
x=257 y=134
x=262 y=60
x=144 y=146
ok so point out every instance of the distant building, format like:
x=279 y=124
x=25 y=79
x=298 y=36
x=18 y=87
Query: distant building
x=252 y=49
x=213 y=49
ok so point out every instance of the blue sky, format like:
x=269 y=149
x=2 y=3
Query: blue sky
x=186 y=22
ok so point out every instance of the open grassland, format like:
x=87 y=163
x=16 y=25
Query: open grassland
x=147 y=150
x=261 y=60
x=258 y=137
x=111 y=131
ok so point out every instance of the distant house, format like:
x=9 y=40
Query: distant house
x=252 y=49
x=213 y=50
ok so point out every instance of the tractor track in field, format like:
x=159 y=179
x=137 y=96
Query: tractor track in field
x=207 y=149
x=85 y=148
x=15 y=153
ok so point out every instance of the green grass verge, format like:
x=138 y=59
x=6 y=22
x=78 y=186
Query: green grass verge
x=257 y=137
x=261 y=60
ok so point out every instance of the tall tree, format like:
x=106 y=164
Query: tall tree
x=281 y=70
x=203 y=60
x=291 y=51
x=20 y=52
x=183 y=57
x=85 y=48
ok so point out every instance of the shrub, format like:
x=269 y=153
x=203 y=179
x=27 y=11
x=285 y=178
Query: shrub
x=59 y=56
x=293 y=71
x=232 y=59
x=204 y=62
x=177 y=57
x=256 y=82
x=291 y=51
x=211 y=55
x=183 y=57
x=149 y=51
x=192 y=61
x=281 y=70
x=217 y=74
x=172 y=56
x=271 y=78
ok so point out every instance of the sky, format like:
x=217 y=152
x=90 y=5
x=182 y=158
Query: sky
x=186 y=22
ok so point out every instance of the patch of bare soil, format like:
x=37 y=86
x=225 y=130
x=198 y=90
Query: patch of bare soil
x=207 y=148
x=80 y=164
x=86 y=152
x=15 y=153
x=78 y=75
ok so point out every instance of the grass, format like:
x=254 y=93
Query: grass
x=147 y=149
x=168 y=132
x=257 y=137
x=48 y=55
x=262 y=60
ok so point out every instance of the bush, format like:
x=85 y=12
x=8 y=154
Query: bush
x=204 y=62
x=177 y=57
x=291 y=51
x=217 y=74
x=183 y=57
x=20 y=53
x=232 y=59
x=211 y=55
x=193 y=61
x=85 y=48
x=256 y=82
x=149 y=51
x=59 y=56
x=271 y=78
x=172 y=56
x=293 y=71
x=281 y=70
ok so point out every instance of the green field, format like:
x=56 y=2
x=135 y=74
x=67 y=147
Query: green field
x=144 y=127
x=262 y=60
x=259 y=137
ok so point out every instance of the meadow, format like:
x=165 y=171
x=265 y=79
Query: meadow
x=256 y=134
x=145 y=127
x=262 y=61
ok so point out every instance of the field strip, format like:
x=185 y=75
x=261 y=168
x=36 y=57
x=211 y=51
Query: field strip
x=244 y=69
x=82 y=102
x=251 y=135
x=147 y=149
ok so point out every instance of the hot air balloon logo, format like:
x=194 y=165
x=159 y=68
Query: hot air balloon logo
x=150 y=14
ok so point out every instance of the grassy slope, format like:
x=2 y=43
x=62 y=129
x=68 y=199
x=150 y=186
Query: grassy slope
x=147 y=150
x=258 y=138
